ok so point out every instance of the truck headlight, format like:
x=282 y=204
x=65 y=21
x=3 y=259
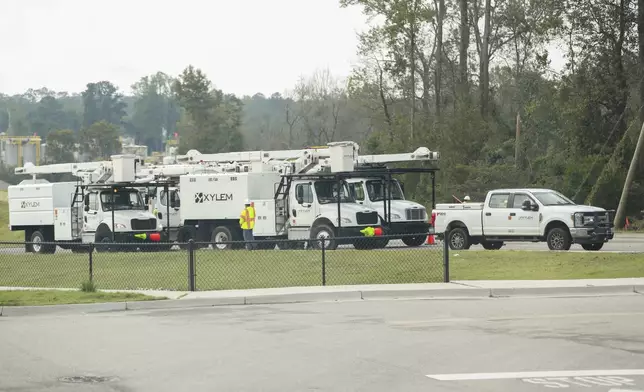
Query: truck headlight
x=120 y=226
x=581 y=220
x=344 y=220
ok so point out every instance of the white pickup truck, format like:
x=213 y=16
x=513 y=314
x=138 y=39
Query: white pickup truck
x=524 y=215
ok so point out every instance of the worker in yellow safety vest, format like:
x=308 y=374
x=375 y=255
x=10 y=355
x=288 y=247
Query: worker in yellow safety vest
x=247 y=223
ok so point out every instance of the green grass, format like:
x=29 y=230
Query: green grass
x=220 y=270
x=56 y=297
x=523 y=265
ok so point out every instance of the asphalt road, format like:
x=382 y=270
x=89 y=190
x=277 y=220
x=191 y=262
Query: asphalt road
x=576 y=344
x=621 y=243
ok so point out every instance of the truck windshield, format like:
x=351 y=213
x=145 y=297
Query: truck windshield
x=121 y=200
x=327 y=192
x=376 y=190
x=552 y=199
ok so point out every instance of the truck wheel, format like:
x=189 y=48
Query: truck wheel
x=102 y=243
x=558 y=239
x=459 y=239
x=37 y=246
x=323 y=233
x=492 y=245
x=221 y=238
x=595 y=246
x=414 y=241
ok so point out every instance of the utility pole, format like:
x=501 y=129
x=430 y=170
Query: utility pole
x=619 y=215
x=517 y=142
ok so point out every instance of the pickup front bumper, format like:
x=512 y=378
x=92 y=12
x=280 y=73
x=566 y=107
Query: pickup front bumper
x=592 y=228
x=402 y=229
x=591 y=235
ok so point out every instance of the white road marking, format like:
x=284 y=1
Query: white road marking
x=625 y=390
x=542 y=374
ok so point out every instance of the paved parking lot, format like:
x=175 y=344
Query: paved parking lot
x=576 y=344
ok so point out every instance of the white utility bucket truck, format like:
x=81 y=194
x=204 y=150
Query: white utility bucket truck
x=399 y=216
x=288 y=206
x=162 y=194
x=102 y=207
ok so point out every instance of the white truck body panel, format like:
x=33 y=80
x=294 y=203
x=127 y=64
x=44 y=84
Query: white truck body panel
x=34 y=203
x=222 y=195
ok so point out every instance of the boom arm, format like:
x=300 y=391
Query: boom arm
x=89 y=172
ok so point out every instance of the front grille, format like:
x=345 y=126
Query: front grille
x=600 y=219
x=144 y=224
x=416 y=214
x=367 y=218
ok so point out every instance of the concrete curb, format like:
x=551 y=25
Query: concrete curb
x=562 y=291
x=329 y=294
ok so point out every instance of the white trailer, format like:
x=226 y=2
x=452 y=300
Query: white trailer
x=102 y=207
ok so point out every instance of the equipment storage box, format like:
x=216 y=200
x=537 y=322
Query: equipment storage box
x=210 y=196
x=33 y=203
x=124 y=168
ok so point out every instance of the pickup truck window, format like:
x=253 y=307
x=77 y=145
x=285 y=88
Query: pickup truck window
x=552 y=199
x=519 y=198
x=499 y=200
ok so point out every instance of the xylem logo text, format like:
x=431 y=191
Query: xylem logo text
x=29 y=204
x=201 y=197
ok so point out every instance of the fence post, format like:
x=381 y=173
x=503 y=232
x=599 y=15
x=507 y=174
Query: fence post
x=323 y=246
x=192 y=286
x=446 y=256
x=91 y=262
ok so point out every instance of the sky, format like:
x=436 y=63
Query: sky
x=243 y=46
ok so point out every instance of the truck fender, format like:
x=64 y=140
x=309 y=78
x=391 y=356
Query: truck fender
x=555 y=222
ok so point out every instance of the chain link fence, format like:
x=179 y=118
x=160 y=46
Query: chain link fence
x=206 y=266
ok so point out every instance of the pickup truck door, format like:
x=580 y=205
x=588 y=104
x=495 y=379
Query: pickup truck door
x=495 y=215
x=523 y=223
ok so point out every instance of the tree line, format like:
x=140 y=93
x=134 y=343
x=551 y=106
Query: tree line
x=470 y=79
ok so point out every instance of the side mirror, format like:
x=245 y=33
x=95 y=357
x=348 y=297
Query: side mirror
x=299 y=199
x=527 y=205
x=86 y=208
x=534 y=207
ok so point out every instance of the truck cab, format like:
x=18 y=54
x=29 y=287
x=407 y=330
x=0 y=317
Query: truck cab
x=314 y=208
x=533 y=215
x=407 y=217
x=125 y=206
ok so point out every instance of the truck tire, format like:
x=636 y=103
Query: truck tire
x=37 y=246
x=595 y=246
x=414 y=241
x=459 y=239
x=492 y=245
x=102 y=243
x=558 y=239
x=222 y=234
x=326 y=233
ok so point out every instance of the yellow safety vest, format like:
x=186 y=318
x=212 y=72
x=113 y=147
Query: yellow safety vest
x=247 y=218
